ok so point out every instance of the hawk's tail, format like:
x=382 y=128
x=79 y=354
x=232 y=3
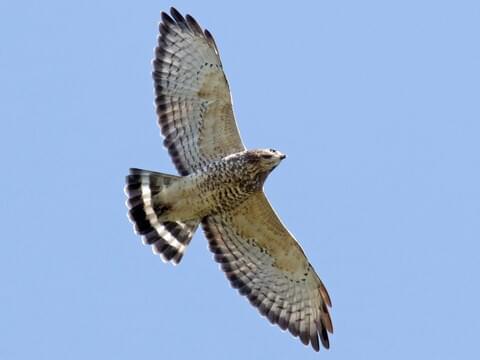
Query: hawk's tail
x=168 y=239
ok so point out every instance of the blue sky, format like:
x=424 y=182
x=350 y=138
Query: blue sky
x=376 y=104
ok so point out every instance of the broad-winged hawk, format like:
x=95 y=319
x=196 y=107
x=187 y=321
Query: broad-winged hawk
x=220 y=187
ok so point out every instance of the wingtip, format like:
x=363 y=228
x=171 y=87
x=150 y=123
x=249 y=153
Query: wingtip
x=193 y=24
x=324 y=339
x=208 y=35
x=177 y=15
x=166 y=19
x=314 y=343
x=173 y=10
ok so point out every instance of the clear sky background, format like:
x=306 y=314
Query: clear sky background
x=376 y=104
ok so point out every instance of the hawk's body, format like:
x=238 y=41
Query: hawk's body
x=216 y=188
x=221 y=187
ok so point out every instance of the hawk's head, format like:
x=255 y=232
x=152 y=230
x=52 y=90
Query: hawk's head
x=265 y=159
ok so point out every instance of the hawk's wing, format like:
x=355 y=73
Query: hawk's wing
x=264 y=262
x=193 y=100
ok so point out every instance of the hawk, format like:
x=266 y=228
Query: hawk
x=220 y=187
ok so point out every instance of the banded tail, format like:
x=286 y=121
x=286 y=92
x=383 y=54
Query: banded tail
x=168 y=239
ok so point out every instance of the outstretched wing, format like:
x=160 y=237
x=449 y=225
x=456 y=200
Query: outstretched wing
x=265 y=263
x=193 y=100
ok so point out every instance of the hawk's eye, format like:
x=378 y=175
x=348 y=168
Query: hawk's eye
x=273 y=150
x=267 y=156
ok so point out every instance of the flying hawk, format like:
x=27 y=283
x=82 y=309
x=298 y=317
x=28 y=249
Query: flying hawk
x=220 y=187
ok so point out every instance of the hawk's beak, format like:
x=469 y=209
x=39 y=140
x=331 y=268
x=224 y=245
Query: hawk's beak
x=283 y=156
